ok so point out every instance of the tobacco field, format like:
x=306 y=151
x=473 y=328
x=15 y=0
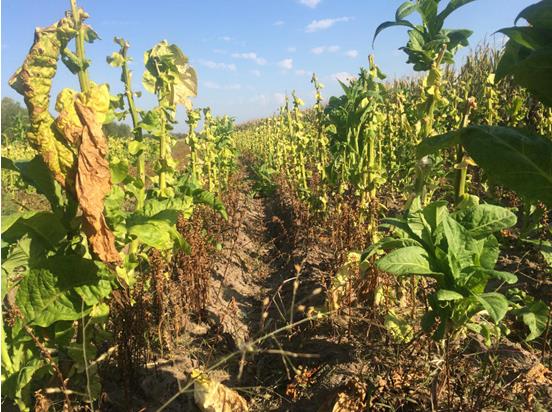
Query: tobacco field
x=386 y=249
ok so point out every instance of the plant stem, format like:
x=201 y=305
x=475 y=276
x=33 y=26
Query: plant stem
x=79 y=40
x=163 y=156
x=137 y=130
x=433 y=84
x=462 y=168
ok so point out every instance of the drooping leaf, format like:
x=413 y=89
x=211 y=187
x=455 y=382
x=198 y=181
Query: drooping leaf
x=44 y=226
x=538 y=15
x=35 y=173
x=434 y=144
x=411 y=260
x=93 y=181
x=535 y=316
x=447 y=295
x=389 y=24
x=494 y=303
x=452 y=6
x=210 y=199
x=519 y=161
x=33 y=80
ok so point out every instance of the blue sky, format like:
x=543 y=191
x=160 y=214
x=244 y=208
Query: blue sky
x=248 y=53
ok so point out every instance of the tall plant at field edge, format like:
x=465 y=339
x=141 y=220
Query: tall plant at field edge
x=428 y=48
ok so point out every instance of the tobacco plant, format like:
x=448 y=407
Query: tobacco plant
x=428 y=48
x=354 y=133
x=56 y=273
x=60 y=266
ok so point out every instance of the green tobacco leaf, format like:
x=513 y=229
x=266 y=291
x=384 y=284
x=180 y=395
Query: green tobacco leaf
x=159 y=234
x=506 y=277
x=535 y=74
x=535 y=316
x=494 y=303
x=135 y=147
x=461 y=246
x=389 y=24
x=518 y=161
x=405 y=10
x=446 y=295
x=452 y=6
x=44 y=226
x=35 y=173
x=434 y=214
x=484 y=220
x=93 y=282
x=115 y=60
x=42 y=301
x=538 y=15
x=54 y=292
x=183 y=205
x=119 y=171
x=527 y=37
x=434 y=144
x=411 y=260
x=489 y=252
x=205 y=197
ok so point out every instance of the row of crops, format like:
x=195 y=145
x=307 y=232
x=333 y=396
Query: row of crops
x=428 y=174
x=108 y=204
x=454 y=146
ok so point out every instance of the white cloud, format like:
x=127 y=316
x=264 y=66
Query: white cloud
x=353 y=54
x=324 y=24
x=286 y=64
x=280 y=98
x=344 y=77
x=220 y=51
x=256 y=73
x=310 y=3
x=324 y=49
x=226 y=38
x=220 y=66
x=215 y=86
x=250 y=56
x=260 y=100
x=279 y=23
x=301 y=72
x=292 y=49
x=318 y=50
x=211 y=85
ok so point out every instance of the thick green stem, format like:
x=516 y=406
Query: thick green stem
x=462 y=168
x=433 y=88
x=137 y=130
x=163 y=156
x=79 y=40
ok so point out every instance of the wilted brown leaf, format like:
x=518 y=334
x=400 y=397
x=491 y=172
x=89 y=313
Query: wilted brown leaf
x=93 y=183
x=213 y=396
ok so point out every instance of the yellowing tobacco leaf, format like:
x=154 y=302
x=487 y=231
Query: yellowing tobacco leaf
x=339 y=290
x=213 y=396
x=33 y=80
x=68 y=122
